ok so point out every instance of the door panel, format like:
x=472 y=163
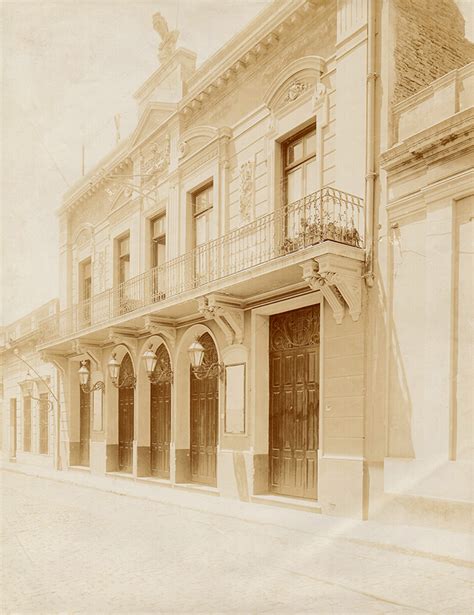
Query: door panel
x=85 y=427
x=294 y=343
x=160 y=419
x=126 y=417
x=204 y=409
x=43 y=424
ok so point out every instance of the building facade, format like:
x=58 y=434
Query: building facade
x=236 y=312
x=29 y=387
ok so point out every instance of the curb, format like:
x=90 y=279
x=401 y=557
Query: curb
x=122 y=490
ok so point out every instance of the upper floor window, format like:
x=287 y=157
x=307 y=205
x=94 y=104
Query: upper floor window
x=86 y=280
x=299 y=165
x=158 y=241
x=123 y=259
x=202 y=208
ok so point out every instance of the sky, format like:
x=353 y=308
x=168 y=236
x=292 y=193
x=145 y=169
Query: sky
x=68 y=66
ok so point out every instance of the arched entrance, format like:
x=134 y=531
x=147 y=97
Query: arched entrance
x=160 y=418
x=125 y=402
x=204 y=419
x=294 y=402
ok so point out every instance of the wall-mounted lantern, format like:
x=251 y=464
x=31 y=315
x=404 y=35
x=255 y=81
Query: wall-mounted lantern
x=196 y=357
x=127 y=382
x=155 y=375
x=84 y=380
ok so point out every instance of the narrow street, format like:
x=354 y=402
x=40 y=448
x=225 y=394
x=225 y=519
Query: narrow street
x=67 y=548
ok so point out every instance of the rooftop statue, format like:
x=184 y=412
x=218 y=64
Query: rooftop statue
x=168 y=39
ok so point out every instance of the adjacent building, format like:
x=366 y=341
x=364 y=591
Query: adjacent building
x=265 y=289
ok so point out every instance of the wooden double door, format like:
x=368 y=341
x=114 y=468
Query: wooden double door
x=204 y=419
x=84 y=428
x=294 y=402
x=126 y=416
x=160 y=419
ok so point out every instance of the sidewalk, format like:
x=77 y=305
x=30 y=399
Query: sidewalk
x=441 y=545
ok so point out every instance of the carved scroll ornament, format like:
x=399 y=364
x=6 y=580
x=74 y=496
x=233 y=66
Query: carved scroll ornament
x=230 y=319
x=339 y=279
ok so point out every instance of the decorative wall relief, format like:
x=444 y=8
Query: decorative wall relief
x=159 y=159
x=296 y=89
x=101 y=269
x=183 y=149
x=247 y=189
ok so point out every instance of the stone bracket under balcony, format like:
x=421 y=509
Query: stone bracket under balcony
x=227 y=314
x=56 y=359
x=339 y=278
x=93 y=351
x=155 y=326
x=125 y=337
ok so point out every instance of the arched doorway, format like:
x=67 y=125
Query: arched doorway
x=126 y=399
x=160 y=418
x=204 y=419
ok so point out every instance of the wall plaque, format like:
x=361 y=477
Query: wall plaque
x=235 y=398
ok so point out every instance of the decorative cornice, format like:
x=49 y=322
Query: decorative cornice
x=258 y=39
x=453 y=187
x=450 y=137
x=227 y=314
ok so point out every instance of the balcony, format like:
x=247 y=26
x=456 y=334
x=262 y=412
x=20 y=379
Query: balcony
x=328 y=215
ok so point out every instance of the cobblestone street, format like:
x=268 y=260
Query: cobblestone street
x=67 y=548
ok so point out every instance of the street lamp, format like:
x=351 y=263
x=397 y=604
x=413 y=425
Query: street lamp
x=164 y=372
x=128 y=382
x=200 y=369
x=84 y=379
x=28 y=383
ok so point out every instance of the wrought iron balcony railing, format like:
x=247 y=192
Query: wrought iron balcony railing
x=328 y=214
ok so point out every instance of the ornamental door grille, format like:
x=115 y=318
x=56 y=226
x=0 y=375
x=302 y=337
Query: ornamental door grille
x=204 y=424
x=85 y=426
x=126 y=409
x=43 y=424
x=294 y=402
x=160 y=419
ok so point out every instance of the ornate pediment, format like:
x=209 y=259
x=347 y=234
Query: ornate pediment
x=297 y=79
x=83 y=235
x=152 y=118
x=195 y=139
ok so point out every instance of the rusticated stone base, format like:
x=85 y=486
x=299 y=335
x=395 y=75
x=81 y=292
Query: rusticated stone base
x=111 y=464
x=182 y=465
x=143 y=461
x=260 y=474
x=74 y=453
